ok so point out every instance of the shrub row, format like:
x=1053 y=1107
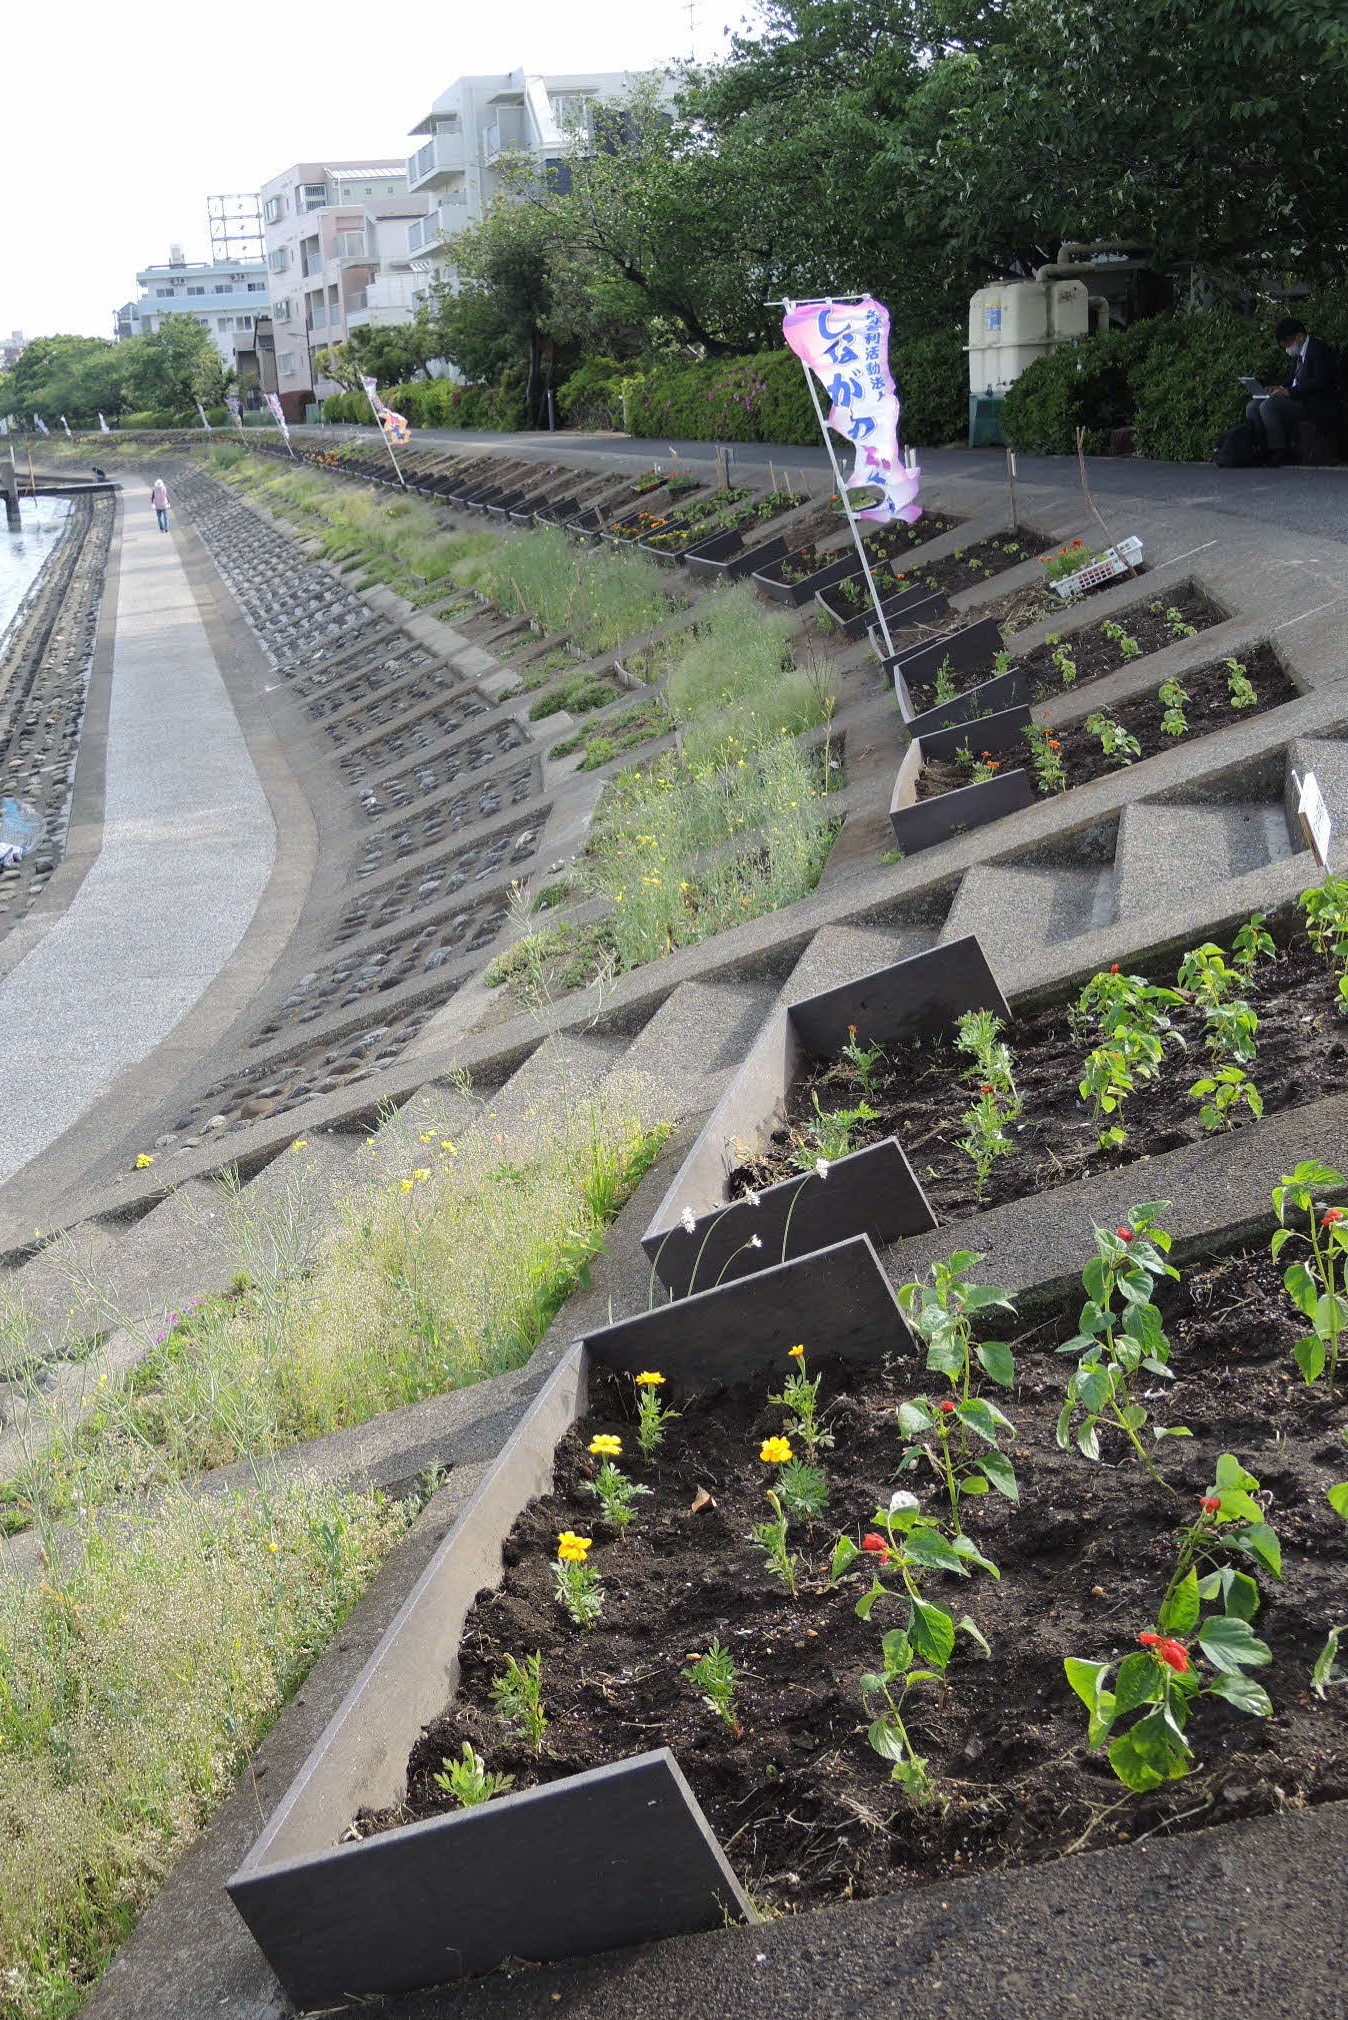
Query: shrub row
x=765 y=399
x=436 y=403
x=1174 y=380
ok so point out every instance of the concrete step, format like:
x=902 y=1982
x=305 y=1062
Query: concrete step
x=435 y=1114
x=844 y=953
x=679 y=1064
x=1164 y=843
x=562 y=1076
x=52 y=1302
x=1328 y=759
x=1015 y=910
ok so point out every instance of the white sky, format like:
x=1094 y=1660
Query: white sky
x=119 y=120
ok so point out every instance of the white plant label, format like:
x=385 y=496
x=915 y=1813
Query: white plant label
x=1314 y=817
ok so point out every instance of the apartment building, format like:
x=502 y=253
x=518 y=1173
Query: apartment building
x=225 y=296
x=328 y=228
x=470 y=127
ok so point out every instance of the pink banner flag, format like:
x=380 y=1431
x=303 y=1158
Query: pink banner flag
x=394 y=425
x=278 y=414
x=846 y=346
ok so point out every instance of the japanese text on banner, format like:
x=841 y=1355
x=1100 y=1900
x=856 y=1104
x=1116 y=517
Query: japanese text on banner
x=846 y=346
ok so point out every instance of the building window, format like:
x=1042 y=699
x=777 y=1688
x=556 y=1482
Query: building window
x=163 y=291
x=274 y=209
x=196 y=291
x=278 y=260
x=243 y=322
x=285 y=364
x=281 y=311
x=313 y=195
x=257 y=287
x=222 y=322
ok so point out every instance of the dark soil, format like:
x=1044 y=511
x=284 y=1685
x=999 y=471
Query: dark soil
x=880 y=546
x=1302 y=1056
x=805 y=1810
x=962 y=570
x=1207 y=709
x=1093 y=653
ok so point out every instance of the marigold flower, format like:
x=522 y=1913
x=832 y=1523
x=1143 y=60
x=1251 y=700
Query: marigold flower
x=573 y=1549
x=649 y=1380
x=605 y=1445
x=776 y=1452
x=796 y=1353
x=877 y=1545
x=1172 y=1653
x=987 y=1088
x=1212 y=1504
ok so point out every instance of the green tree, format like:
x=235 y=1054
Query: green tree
x=164 y=365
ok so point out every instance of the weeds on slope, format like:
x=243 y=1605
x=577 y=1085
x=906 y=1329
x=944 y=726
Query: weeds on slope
x=595 y=596
x=136 y=1678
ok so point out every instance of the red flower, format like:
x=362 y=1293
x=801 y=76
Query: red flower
x=1335 y=1214
x=1125 y=1234
x=947 y=1408
x=987 y=1088
x=877 y=1545
x=1172 y=1653
x=1114 y=968
x=1212 y=1504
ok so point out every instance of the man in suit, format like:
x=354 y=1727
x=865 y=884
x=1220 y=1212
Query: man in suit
x=1311 y=394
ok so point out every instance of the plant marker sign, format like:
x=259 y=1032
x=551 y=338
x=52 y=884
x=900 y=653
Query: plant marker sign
x=1314 y=817
x=845 y=345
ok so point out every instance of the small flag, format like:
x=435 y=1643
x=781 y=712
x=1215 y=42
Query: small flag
x=846 y=346
x=396 y=430
x=66 y=425
x=235 y=406
x=40 y=425
x=204 y=422
x=278 y=414
x=103 y=427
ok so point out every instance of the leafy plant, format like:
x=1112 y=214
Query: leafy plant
x=1172 y=697
x=1119 y=1336
x=1115 y=741
x=1127 y=644
x=863 y=1062
x=716 y=1677
x=1131 y=1016
x=1162 y=1681
x=1066 y=665
x=1178 y=625
x=1240 y=689
x=959 y=1436
x=1252 y=944
x=771 y=1538
x=800 y=1395
x=1326 y=913
x=468 y=1780
x=1046 y=758
x=943 y=687
x=831 y=1134
x=803 y=1491
x=652 y=1415
x=617 y=1495
x=517 y=1696
x=1230 y=1026
x=1327 y=1670
x=1317 y=1282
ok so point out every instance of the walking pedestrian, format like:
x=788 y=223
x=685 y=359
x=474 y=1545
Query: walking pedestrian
x=159 y=500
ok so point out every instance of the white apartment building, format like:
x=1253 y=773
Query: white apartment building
x=471 y=126
x=225 y=296
x=328 y=228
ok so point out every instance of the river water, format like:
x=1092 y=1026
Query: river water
x=22 y=554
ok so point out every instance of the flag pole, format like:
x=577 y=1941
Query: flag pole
x=387 y=444
x=857 y=536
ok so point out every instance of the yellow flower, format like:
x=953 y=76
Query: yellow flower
x=445 y=1144
x=405 y=1185
x=573 y=1549
x=605 y=1446
x=144 y=1161
x=775 y=1451
x=300 y=1143
x=421 y=1174
x=273 y=1547
x=650 y=1381
x=797 y=1353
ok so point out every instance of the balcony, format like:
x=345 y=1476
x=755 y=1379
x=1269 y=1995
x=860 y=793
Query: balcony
x=439 y=159
x=446 y=221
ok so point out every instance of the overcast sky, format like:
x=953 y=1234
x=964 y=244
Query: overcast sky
x=119 y=121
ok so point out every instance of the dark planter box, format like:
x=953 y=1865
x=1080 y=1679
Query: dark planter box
x=987 y=697
x=554 y=512
x=524 y=513
x=969 y=650
x=587 y=525
x=597 y=1861
x=907 y=606
x=499 y=507
x=725 y=557
x=873 y=1191
x=921 y=824
x=769 y=583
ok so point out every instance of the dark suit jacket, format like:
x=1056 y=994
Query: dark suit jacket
x=1315 y=384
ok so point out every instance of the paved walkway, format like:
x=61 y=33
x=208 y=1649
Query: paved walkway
x=187 y=848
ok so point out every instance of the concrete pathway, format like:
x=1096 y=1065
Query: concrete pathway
x=188 y=844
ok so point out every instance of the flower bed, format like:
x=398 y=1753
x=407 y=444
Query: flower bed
x=847 y=602
x=1010 y=1121
x=969 y=775
x=801 y=574
x=879 y=1697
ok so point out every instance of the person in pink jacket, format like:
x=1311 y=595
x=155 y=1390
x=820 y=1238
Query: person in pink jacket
x=159 y=500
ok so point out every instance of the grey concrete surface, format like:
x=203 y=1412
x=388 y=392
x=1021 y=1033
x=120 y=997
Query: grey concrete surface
x=188 y=842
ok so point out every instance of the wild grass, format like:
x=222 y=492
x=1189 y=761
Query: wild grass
x=737 y=678
x=594 y=595
x=447 y=1271
x=135 y=1681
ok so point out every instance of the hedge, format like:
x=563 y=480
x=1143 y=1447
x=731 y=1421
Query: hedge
x=1174 y=379
x=764 y=398
x=438 y=403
